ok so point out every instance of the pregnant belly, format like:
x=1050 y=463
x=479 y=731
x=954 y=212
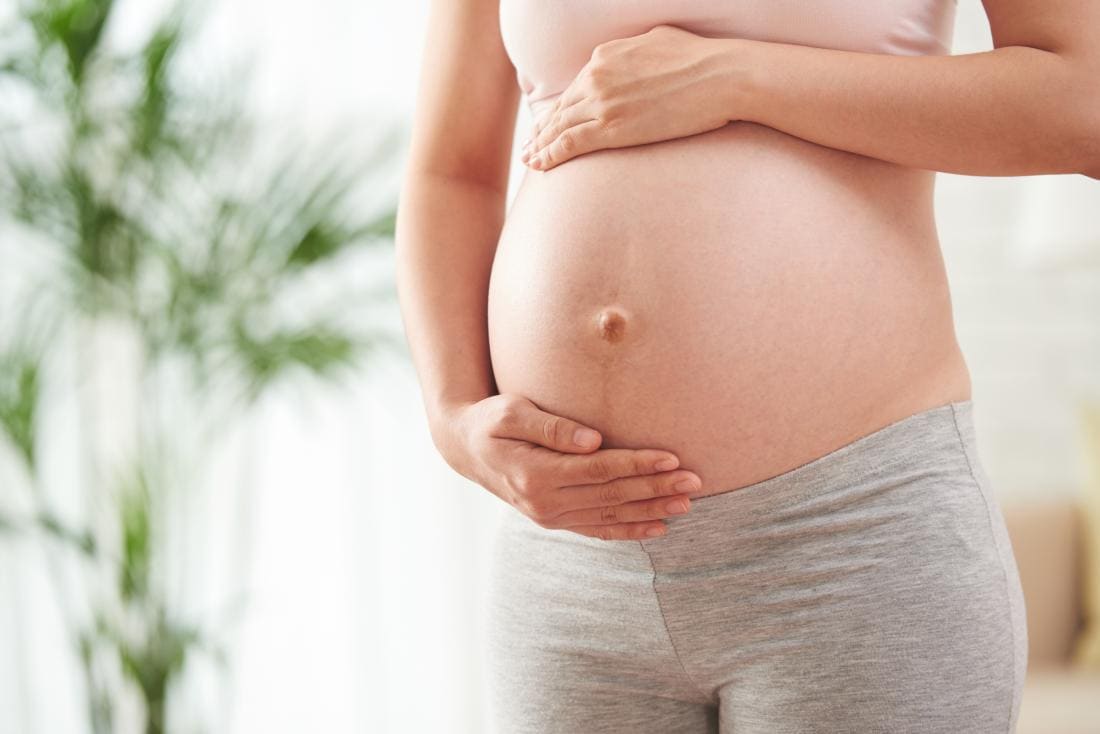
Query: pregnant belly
x=743 y=298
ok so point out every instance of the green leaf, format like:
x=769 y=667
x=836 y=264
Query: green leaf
x=320 y=349
x=76 y=25
x=324 y=239
x=154 y=106
x=154 y=659
x=81 y=540
x=20 y=393
x=134 y=516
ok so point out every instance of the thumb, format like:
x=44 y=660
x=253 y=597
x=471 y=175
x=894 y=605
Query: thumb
x=527 y=422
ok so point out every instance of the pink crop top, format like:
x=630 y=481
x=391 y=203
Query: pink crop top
x=549 y=41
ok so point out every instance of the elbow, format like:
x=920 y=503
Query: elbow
x=1092 y=170
x=1090 y=155
x=1084 y=146
x=1067 y=122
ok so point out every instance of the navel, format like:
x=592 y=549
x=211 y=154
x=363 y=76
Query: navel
x=611 y=324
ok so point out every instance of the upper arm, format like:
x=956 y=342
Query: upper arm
x=1069 y=28
x=467 y=95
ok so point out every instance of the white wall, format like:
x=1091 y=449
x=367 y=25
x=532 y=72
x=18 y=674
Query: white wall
x=1023 y=259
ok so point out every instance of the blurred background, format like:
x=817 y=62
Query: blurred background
x=220 y=507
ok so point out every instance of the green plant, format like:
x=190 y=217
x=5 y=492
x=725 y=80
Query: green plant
x=132 y=195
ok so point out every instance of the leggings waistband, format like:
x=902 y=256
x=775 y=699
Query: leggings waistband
x=939 y=439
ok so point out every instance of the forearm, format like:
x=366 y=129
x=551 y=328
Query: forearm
x=1012 y=111
x=446 y=235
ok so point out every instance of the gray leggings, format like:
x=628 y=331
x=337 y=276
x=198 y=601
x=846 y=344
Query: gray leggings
x=873 y=589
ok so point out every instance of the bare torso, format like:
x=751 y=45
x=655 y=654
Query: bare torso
x=744 y=298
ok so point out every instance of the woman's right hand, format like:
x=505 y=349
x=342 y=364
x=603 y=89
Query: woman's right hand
x=530 y=459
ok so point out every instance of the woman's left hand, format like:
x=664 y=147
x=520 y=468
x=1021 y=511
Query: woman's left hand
x=665 y=83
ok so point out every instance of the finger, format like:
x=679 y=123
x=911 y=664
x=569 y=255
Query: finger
x=545 y=131
x=572 y=142
x=589 y=504
x=543 y=118
x=525 y=421
x=626 y=531
x=654 y=509
x=606 y=465
x=621 y=491
x=561 y=118
x=565 y=112
x=564 y=100
x=539 y=125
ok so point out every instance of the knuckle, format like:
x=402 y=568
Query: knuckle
x=609 y=514
x=611 y=494
x=597 y=78
x=600 y=469
x=608 y=115
x=507 y=415
x=551 y=429
x=637 y=465
x=567 y=141
x=523 y=482
x=603 y=533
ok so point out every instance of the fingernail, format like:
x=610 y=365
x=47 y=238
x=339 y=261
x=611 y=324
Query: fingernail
x=655 y=532
x=666 y=464
x=523 y=158
x=677 y=507
x=585 y=438
x=686 y=485
x=537 y=162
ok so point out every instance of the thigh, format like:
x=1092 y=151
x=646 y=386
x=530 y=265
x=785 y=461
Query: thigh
x=576 y=641
x=926 y=635
x=583 y=708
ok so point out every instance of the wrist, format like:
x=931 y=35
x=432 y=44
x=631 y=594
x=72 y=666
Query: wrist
x=443 y=420
x=741 y=85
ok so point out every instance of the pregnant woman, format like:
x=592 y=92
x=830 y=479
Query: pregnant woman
x=708 y=357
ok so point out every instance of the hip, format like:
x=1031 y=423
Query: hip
x=885 y=563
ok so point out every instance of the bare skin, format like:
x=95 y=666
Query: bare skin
x=736 y=333
x=451 y=214
x=1031 y=105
